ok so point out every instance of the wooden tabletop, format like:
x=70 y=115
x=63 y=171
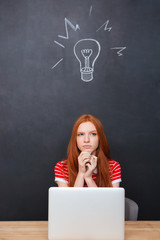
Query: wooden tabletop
x=38 y=230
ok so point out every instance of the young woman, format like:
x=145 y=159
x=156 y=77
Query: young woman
x=88 y=161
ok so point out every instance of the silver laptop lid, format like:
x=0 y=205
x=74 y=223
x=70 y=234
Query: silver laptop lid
x=86 y=213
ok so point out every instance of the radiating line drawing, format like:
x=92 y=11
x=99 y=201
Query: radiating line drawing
x=90 y=10
x=87 y=52
x=75 y=28
x=120 y=50
x=106 y=28
x=57 y=63
x=67 y=22
x=59 y=44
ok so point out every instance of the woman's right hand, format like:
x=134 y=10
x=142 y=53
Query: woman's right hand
x=83 y=158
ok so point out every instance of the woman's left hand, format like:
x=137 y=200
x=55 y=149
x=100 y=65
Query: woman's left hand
x=91 y=166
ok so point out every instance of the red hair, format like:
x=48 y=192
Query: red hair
x=103 y=153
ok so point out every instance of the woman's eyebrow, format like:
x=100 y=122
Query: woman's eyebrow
x=89 y=131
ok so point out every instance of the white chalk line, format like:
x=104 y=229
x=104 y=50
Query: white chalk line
x=90 y=11
x=67 y=22
x=59 y=44
x=106 y=27
x=57 y=63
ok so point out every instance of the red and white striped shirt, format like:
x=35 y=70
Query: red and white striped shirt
x=61 y=172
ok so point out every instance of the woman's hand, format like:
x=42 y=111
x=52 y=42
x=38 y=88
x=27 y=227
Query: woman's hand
x=83 y=159
x=90 y=167
x=87 y=164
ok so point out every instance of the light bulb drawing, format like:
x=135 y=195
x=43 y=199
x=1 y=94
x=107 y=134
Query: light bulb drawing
x=87 y=52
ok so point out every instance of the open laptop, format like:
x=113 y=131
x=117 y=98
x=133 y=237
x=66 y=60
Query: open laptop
x=86 y=213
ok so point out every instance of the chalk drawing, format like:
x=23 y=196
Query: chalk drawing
x=57 y=63
x=59 y=44
x=120 y=50
x=90 y=10
x=106 y=28
x=75 y=28
x=67 y=22
x=87 y=52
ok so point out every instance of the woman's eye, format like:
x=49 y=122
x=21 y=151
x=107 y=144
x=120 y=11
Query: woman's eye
x=80 y=134
x=94 y=134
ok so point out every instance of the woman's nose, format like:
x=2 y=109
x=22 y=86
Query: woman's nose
x=86 y=138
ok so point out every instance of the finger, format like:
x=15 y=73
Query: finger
x=88 y=165
x=86 y=161
x=88 y=153
x=93 y=163
x=94 y=158
x=86 y=156
x=83 y=163
x=83 y=156
x=85 y=153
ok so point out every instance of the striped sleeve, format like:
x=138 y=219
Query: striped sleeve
x=116 y=172
x=61 y=173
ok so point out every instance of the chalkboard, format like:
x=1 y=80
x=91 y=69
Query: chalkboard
x=45 y=87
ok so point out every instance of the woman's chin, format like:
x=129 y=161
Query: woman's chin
x=87 y=150
x=91 y=151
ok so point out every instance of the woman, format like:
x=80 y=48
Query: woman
x=88 y=161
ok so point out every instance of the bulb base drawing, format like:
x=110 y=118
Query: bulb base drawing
x=87 y=74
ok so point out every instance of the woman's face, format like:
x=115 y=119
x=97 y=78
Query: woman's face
x=87 y=138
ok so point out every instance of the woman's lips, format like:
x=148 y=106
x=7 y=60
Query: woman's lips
x=87 y=146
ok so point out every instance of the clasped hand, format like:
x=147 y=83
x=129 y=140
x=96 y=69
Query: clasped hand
x=87 y=164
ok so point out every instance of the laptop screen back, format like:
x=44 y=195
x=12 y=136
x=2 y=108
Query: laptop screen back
x=86 y=213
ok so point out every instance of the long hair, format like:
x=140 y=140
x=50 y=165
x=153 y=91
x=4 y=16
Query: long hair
x=103 y=153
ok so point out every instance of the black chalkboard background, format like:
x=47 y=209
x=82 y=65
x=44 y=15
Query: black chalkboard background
x=39 y=102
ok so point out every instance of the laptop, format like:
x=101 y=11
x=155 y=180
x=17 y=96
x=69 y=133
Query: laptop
x=86 y=213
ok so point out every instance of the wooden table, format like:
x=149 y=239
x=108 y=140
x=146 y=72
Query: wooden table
x=38 y=230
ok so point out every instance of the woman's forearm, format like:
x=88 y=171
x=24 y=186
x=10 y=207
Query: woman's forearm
x=79 y=180
x=90 y=182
